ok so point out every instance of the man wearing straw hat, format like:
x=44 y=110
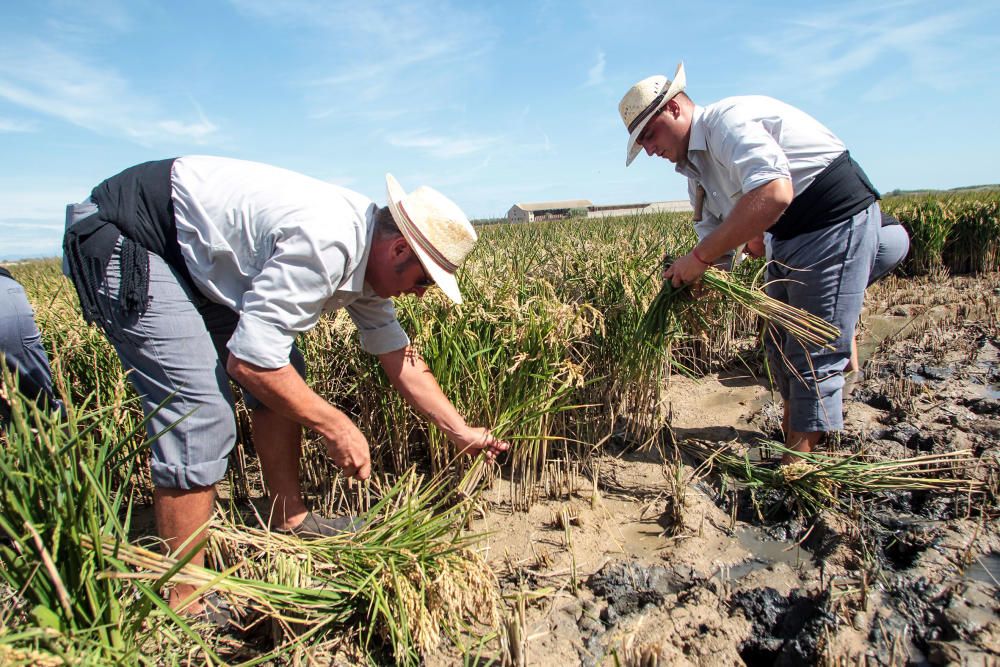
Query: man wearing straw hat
x=756 y=165
x=200 y=269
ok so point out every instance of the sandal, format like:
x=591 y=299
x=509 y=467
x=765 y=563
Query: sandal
x=216 y=613
x=315 y=526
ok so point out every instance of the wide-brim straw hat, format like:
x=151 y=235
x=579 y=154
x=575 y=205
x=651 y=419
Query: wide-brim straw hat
x=437 y=230
x=641 y=103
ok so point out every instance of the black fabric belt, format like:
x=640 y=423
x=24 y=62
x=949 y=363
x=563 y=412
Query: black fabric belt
x=838 y=192
x=135 y=206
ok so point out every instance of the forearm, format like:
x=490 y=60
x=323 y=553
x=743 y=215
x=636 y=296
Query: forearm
x=753 y=214
x=416 y=384
x=284 y=391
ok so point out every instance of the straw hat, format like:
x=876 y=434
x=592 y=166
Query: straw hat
x=641 y=103
x=437 y=230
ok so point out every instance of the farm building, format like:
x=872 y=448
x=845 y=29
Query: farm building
x=634 y=209
x=547 y=210
x=555 y=210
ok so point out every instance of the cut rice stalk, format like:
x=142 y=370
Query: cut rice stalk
x=666 y=310
x=817 y=480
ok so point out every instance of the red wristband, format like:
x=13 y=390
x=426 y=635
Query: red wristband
x=694 y=253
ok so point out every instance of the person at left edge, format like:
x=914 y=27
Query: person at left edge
x=21 y=348
x=203 y=268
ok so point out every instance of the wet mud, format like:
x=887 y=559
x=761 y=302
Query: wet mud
x=669 y=566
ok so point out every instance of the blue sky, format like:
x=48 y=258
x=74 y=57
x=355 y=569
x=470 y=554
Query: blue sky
x=491 y=103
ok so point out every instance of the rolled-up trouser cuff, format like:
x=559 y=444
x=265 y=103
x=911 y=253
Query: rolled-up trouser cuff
x=815 y=402
x=187 y=477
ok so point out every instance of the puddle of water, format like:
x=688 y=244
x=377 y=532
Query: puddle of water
x=876 y=329
x=642 y=539
x=768 y=552
x=991 y=390
x=985 y=569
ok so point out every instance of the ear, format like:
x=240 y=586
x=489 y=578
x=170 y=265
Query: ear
x=673 y=107
x=399 y=248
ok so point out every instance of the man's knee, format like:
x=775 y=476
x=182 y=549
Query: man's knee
x=893 y=246
x=193 y=452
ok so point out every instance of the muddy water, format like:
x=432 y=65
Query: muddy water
x=877 y=328
x=768 y=552
x=642 y=539
x=985 y=569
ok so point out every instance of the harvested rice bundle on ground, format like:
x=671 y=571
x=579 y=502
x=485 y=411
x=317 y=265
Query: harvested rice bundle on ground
x=672 y=306
x=817 y=481
x=405 y=580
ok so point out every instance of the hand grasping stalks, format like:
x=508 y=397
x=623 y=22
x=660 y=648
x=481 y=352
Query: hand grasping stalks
x=664 y=314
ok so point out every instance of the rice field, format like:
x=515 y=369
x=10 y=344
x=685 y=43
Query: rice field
x=548 y=349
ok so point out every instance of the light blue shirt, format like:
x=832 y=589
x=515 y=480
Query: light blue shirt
x=280 y=248
x=740 y=143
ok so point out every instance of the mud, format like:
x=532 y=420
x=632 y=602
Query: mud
x=664 y=566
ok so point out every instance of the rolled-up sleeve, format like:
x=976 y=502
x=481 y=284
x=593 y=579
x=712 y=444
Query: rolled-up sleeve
x=378 y=329
x=287 y=296
x=748 y=150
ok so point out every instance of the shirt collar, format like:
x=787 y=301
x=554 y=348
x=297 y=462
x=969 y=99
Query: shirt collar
x=696 y=142
x=357 y=280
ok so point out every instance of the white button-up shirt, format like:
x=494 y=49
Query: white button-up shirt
x=279 y=248
x=740 y=143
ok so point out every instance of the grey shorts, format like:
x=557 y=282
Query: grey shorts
x=825 y=273
x=175 y=354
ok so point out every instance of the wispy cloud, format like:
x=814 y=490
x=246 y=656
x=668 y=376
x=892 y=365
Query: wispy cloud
x=409 y=52
x=32 y=221
x=34 y=75
x=595 y=75
x=23 y=241
x=440 y=146
x=886 y=42
x=12 y=126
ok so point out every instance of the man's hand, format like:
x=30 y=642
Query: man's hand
x=348 y=448
x=685 y=270
x=476 y=439
x=755 y=246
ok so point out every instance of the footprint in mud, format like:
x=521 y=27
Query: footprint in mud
x=786 y=630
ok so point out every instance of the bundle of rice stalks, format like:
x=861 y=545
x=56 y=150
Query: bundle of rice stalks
x=818 y=481
x=673 y=306
x=407 y=578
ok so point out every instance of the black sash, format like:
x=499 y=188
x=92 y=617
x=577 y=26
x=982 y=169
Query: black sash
x=136 y=206
x=840 y=191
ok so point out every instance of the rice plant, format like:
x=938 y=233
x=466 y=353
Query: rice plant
x=954 y=231
x=58 y=494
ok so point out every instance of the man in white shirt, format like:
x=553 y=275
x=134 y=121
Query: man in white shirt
x=755 y=165
x=201 y=269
